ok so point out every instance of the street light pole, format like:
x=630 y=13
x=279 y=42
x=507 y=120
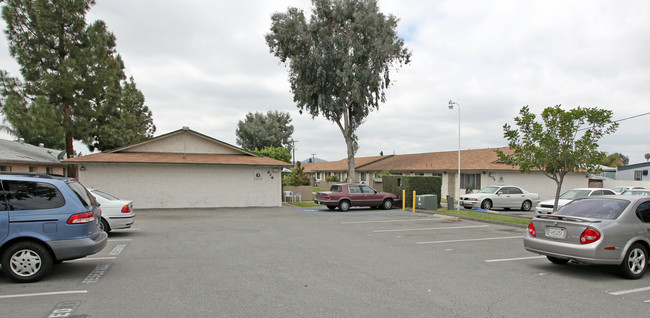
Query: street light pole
x=451 y=106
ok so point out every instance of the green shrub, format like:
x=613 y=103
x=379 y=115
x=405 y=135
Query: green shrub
x=332 y=178
x=419 y=184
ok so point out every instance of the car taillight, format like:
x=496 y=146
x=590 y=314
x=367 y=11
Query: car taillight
x=126 y=209
x=589 y=236
x=81 y=218
x=531 y=230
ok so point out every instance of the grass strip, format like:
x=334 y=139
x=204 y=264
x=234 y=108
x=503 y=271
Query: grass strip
x=486 y=216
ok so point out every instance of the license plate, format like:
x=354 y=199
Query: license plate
x=556 y=232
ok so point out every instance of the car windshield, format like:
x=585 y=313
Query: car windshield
x=619 y=189
x=636 y=192
x=575 y=194
x=104 y=195
x=490 y=189
x=609 y=209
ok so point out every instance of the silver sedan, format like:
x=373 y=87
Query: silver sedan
x=604 y=230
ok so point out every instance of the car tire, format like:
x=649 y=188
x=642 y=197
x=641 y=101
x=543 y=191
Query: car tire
x=344 y=205
x=555 y=260
x=331 y=207
x=526 y=206
x=103 y=225
x=27 y=262
x=635 y=262
x=387 y=204
x=486 y=204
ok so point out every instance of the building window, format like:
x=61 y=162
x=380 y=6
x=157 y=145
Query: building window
x=5 y=168
x=364 y=177
x=470 y=179
x=48 y=170
x=33 y=169
x=638 y=175
x=317 y=175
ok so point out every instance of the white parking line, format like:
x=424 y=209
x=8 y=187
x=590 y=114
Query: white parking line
x=472 y=240
x=513 y=259
x=391 y=221
x=92 y=258
x=45 y=294
x=120 y=240
x=630 y=291
x=432 y=228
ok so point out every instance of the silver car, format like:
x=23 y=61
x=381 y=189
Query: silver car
x=609 y=230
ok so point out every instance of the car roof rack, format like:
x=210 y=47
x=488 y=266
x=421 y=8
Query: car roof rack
x=29 y=174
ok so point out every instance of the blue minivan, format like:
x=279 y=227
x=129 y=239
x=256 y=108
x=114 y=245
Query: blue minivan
x=44 y=220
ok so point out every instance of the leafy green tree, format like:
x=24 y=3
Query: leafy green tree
x=559 y=144
x=278 y=153
x=71 y=73
x=647 y=156
x=258 y=130
x=297 y=177
x=615 y=160
x=339 y=61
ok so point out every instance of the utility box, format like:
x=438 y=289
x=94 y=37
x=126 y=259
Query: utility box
x=426 y=202
x=450 y=203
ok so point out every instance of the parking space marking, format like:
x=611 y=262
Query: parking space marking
x=93 y=258
x=394 y=221
x=117 y=250
x=44 y=294
x=630 y=291
x=120 y=240
x=513 y=259
x=432 y=228
x=473 y=240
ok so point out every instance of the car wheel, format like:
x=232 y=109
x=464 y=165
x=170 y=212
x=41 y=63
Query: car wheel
x=387 y=204
x=344 y=205
x=103 y=225
x=331 y=207
x=486 y=204
x=635 y=262
x=526 y=206
x=26 y=262
x=556 y=260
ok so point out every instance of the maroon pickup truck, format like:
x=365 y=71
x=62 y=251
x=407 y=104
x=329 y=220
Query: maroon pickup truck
x=346 y=195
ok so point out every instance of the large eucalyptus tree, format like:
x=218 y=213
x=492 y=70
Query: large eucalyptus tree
x=339 y=61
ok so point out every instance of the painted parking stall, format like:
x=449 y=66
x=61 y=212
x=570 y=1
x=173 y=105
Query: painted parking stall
x=70 y=302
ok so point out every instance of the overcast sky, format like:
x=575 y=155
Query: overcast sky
x=205 y=64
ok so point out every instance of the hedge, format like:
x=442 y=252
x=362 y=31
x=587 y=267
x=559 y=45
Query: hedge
x=419 y=184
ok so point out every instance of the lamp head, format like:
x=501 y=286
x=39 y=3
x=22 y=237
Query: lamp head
x=451 y=104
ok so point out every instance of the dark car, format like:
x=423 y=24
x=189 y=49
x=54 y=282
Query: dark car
x=45 y=220
x=347 y=195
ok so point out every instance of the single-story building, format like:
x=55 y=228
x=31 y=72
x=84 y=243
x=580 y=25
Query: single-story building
x=634 y=172
x=479 y=168
x=18 y=156
x=184 y=169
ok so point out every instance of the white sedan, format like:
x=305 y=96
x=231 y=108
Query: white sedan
x=116 y=213
x=505 y=197
x=546 y=206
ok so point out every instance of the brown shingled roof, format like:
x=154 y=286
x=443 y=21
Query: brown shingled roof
x=475 y=159
x=177 y=158
x=341 y=165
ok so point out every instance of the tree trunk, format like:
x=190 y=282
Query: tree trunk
x=350 y=145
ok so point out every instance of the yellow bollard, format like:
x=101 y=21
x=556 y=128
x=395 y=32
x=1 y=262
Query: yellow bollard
x=403 y=200
x=413 y=201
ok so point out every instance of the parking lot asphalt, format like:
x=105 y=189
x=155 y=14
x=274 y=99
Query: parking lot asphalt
x=311 y=262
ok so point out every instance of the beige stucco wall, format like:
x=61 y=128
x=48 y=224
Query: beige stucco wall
x=184 y=143
x=187 y=186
